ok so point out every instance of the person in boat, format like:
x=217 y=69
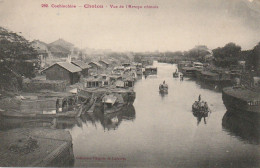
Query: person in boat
x=181 y=78
x=65 y=105
x=206 y=106
x=58 y=106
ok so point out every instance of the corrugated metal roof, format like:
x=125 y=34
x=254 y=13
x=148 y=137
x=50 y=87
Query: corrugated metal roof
x=81 y=64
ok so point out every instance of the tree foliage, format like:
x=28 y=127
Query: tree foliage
x=197 y=53
x=17 y=59
x=253 y=59
x=16 y=54
x=227 y=55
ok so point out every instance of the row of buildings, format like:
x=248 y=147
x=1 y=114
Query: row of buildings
x=55 y=51
x=62 y=62
x=74 y=70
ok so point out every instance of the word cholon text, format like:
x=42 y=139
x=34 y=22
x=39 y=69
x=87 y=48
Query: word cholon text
x=113 y=6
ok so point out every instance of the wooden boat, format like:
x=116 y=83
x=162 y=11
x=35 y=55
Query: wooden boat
x=200 y=107
x=150 y=70
x=241 y=99
x=74 y=113
x=61 y=111
x=112 y=103
x=163 y=88
x=177 y=74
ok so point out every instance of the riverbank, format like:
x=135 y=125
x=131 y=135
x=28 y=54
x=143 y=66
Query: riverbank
x=38 y=147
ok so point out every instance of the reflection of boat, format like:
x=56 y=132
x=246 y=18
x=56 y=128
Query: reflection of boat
x=58 y=123
x=199 y=116
x=112 y=103
x=110 y=121
x=200 y=107
x=113 y=120
x=244 y=125
x=163 y=88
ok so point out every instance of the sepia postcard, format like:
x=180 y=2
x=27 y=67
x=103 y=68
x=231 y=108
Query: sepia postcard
x=130 y=83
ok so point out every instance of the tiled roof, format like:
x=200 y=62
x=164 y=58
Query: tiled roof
x=96 y=63
x=68 y=66
x=81 y=64
x=106 y=62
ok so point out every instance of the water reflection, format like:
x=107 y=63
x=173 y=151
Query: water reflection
x=110 y=121
x=53 y=123
x=163 y=94
x=164 y=132
x=243 y=125
x=199 y=117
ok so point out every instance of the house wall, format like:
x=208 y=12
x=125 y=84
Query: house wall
x=56 y=72
x=84 y=72
x=75 y=77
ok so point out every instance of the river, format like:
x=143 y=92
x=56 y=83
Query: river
x=162 y=130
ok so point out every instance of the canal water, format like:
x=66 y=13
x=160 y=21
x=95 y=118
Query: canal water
x=161 y=130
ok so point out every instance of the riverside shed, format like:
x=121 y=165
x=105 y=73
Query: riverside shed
x=63 y=71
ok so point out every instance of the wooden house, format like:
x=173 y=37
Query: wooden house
x=97 y=81
x=95 y=66
x=63 y=71
x=124 y=82
x=85 y=67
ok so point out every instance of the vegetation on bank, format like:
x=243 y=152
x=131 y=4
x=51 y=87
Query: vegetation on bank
x=17 y=59
x=222 y=57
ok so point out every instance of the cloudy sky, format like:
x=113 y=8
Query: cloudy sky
x=175 y=25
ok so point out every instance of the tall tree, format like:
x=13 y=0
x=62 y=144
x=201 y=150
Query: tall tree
x=227 y=55
x=253 y=60
x=17 y=53
x=17 y=57
x=198 y=53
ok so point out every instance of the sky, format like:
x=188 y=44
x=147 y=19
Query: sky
x=174 y=25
